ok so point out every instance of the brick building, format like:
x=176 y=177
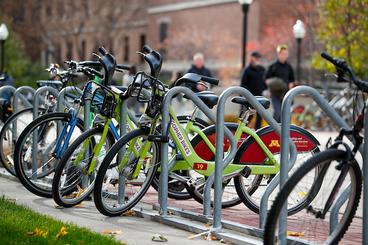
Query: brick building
x=178 y=28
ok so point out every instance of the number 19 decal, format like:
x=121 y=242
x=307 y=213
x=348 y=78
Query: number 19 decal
x=200 y=166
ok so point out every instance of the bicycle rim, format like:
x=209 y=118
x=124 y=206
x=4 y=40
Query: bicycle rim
x=308 y=224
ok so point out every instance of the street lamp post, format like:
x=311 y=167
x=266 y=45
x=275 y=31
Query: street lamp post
x=299 y=34
x=245 y=7
x=4 y=33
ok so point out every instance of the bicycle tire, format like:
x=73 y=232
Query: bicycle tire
x=246 y=195
x=56 y=191
x=100 y=178
x=317 y=160
x=18 y=161
x=4 y=157
x=180 y=186
x=196 y=141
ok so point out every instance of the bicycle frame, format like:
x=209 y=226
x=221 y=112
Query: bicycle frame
x=206 y=168
x=108 y=124
x=192 y=161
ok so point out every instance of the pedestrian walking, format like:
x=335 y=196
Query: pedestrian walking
x=279 y=78
x=198 y=67
x=252 y=78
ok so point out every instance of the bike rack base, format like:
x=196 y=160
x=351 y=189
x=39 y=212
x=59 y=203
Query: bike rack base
x=198 y=223
x=183 y=220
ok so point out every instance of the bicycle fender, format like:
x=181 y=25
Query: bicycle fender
x=250 y=152
x=202 y=149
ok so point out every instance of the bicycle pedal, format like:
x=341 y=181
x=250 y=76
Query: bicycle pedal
x=158 y=138
x=246 y=172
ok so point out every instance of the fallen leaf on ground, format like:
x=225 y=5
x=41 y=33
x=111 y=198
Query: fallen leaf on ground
x=302 y=193
x=207 y=225
x=159 y=238
x=129 y=213
x=110 y=232
x=38 y=232
x=211 y=237
x=295 y=233
x=63 y=231
x=80 y=205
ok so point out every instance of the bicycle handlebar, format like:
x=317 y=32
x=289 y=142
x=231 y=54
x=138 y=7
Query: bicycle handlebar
x=147 y=49
x=341 y=64
x=102 y=51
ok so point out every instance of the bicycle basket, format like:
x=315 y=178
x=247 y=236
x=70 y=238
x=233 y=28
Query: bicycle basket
x=103 y=102
x=141 y=82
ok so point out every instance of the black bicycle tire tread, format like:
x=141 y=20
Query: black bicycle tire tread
x=2 y=132
x=329 y=154
x=103 y=168
x=64 y=159
x=19 y=169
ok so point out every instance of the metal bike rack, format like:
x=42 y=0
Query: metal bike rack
x=18 y=95
x=220 y=163
x=62 y=103
x=164 y=145
x=36 y=104
x=123 y=131
x=285 y=136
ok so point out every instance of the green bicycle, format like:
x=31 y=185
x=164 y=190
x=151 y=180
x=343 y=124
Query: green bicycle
x=74 y=176
x=140 y=161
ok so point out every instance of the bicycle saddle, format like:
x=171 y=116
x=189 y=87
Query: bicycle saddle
x=208 y=97
x=244 y=102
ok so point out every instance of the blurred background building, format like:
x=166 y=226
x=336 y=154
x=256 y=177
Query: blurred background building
x=56 y=30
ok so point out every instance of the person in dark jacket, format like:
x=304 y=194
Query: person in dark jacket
x=282 y=71
x=252 y=78
x=199 y=68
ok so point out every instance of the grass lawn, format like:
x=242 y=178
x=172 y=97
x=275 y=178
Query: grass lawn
x=21 y=225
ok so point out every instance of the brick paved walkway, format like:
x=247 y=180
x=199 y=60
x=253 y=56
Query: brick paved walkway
x=243 y=215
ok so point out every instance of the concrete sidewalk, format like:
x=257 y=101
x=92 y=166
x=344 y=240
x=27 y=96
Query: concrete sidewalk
x=135 y=230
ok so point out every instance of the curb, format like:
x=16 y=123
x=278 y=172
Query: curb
x=6 y=175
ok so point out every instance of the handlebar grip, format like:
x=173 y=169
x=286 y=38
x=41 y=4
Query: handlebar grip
x=102 y=51
x=340 y=63
x=147 y=49
x=123 y=67
x=328 y=57
x=211 y=80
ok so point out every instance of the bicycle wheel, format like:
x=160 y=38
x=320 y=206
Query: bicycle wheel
x=312 y=223
x=74 y=177
x=117 y=190
x=35 y=169
x=230 y=197
x=251 y=189
x=9 y=134
x=176 y=185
